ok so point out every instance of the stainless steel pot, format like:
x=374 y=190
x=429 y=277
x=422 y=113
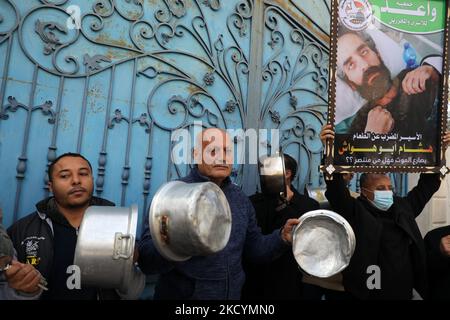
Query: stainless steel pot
x=189 y=219
x=323 y=243
x=272 y=175
x=105 y=249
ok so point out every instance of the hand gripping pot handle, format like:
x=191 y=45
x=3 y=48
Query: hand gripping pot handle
x=123 y=244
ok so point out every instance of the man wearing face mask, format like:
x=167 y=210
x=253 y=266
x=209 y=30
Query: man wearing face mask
x=386 y=232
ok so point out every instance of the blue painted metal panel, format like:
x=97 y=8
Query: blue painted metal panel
x=318 y=12
x=295 y=87
x=117 y=87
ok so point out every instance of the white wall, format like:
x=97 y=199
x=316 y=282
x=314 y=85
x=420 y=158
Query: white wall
x=437 y=211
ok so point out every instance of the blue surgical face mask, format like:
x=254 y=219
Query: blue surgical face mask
x=383 y=200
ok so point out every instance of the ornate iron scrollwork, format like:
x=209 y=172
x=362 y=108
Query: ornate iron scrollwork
x=191 y=70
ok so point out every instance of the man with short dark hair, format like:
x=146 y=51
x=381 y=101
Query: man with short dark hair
x=388 y=239
x=47 y=238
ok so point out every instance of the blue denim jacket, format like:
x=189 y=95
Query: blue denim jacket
x=218 y=276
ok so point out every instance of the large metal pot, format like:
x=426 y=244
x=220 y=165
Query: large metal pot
x=189 y=219
x=272 y=175
x=105 y=249
x=323 y=243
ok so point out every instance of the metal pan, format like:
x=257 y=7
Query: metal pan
x=323 y=243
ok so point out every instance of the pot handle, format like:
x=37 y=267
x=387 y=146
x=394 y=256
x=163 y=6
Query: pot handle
x=123 y=245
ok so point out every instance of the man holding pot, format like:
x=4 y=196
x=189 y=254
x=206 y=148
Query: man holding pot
x=46 y=239
x=220 y=275
x=390 y=257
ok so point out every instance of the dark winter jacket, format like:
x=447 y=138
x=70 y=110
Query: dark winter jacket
x=367 y=225
x=217 y=276
x=281 y=278
x=33 y=237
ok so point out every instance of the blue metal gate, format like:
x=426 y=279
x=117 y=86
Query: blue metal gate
x=112 y=79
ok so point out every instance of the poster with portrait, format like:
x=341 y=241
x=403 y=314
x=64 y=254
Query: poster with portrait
x=388 y=86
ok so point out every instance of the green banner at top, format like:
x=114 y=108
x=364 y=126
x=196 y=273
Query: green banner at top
x=414 y=16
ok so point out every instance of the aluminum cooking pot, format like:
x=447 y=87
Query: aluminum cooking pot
x=105 y=248
x=189 y=219
x=323 y=243
x=271 y=173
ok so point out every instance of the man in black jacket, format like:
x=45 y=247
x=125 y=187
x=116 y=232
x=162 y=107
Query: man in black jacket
x=47 y=237
x=281 y=278
x=389 y=259
x=217 y=276
x=437 y=245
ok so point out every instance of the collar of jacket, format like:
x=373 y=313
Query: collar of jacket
x=296 y=195
x=396 y=212
x=196 y=176
x=47 y=209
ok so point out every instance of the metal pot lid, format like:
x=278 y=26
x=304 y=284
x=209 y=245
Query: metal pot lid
x=189 y=219
x=323 y=243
